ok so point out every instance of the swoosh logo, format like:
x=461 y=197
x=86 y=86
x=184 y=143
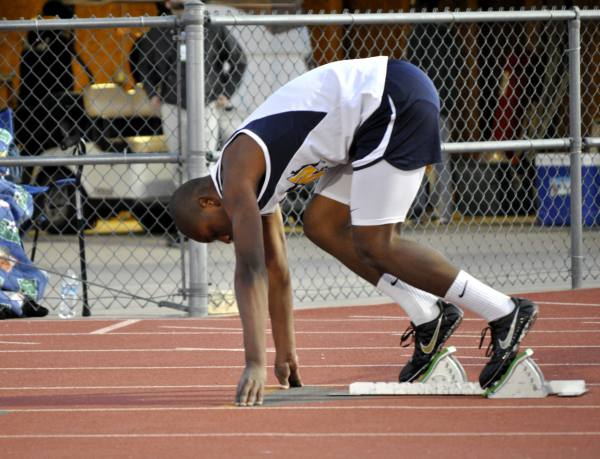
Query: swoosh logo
x=506 y=341
x=464 y=290
x=394 y=282
x=429 y=348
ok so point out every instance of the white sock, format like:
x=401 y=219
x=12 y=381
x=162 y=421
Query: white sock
x=468 y=292
x=420 y=306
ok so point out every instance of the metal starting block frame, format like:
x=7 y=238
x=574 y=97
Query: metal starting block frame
x=446 y=376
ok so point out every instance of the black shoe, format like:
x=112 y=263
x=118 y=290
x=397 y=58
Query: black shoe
x=429 y=338
x=7 y=313
x=507 y=333
x=32 y=309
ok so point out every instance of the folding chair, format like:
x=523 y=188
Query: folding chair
x=23 y=284
x=13 y=174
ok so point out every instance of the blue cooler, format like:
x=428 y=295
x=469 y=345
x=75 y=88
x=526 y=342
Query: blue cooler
x=553 y=182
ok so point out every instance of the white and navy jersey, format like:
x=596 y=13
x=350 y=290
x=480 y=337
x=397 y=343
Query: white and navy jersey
x=310 y=124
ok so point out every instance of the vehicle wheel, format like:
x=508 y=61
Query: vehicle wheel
x=55 y=208
x=154 y=217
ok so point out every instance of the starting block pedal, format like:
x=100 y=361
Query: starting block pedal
x=446 y=376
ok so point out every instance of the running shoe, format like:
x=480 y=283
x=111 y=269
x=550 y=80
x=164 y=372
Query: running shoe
x=428 y=338
x=507 y=333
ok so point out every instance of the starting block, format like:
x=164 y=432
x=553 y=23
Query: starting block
x=446 y=376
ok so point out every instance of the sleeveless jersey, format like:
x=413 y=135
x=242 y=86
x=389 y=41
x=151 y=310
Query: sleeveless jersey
x=309 y=124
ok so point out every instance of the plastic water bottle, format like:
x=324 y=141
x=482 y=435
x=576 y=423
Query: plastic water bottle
x=69 y=295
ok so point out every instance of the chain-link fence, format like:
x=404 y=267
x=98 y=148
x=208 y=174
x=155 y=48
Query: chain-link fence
x=498 y=205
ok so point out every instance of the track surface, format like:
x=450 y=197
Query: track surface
x=164 y=388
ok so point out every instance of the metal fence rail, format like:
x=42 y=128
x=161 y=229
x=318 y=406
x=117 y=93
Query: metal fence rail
x=520 y=104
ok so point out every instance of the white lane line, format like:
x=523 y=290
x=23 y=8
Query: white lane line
x=352 y=348
x=195 y=367
x=17 y=342
x=233 y=367
x=568 y=303
x=183 y=327
x=225 y=332
x=307 y=434
x=125 y=323
x=188 y=330
x=160 y=387
x=269 y=350
x=311 y=408
x=298 y=332
x=84 y=388
x=473 y=319
x=120 y=368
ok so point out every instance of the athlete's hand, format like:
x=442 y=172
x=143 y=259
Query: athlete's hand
x=287 y=372
x=251 y=386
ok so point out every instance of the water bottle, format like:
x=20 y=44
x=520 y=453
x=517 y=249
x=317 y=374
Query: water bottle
x=69 y=295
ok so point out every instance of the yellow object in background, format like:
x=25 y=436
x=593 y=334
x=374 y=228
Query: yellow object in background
x=123 y=223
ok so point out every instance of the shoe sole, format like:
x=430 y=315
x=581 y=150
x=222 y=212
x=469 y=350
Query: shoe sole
x=515 y=349
x=445 y=338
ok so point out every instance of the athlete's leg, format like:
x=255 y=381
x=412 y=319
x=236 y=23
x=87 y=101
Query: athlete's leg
x=391 y=148
x=380 y=198
x=327 y=224
x=383 y=248
x=326 y=221
x=375 y=209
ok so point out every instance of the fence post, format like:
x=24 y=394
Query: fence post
x=196 y=154
x=574 y=53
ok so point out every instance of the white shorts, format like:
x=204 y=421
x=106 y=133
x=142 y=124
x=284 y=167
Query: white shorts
x=377 y=195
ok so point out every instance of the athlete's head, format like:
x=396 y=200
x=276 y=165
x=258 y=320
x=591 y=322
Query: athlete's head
x=198 y=212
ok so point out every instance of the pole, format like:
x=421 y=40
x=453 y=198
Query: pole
x=196 y=154
x=574 y=53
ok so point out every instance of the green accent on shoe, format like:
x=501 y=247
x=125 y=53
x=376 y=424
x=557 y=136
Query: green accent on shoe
x=498 y=384
x=436 y=358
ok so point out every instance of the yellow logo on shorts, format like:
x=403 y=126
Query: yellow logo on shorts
x=307 y=174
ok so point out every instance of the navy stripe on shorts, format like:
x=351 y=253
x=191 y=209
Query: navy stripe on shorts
x=414 y=140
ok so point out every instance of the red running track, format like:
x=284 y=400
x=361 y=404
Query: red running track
x=163 y=388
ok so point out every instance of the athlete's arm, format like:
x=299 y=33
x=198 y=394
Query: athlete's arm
x=280 y=301
x=243 y=166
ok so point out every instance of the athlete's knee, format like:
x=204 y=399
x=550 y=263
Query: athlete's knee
x=323 y=220
x=373 y=244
